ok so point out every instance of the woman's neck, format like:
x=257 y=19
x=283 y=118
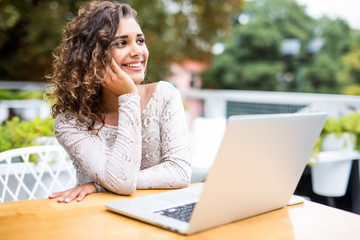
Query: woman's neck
x=109 y=101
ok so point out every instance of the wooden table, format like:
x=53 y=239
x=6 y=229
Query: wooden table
x=48 y=219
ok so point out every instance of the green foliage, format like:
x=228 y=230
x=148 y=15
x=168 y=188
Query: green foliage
x=353 y=89
x=175 y=30
x=347 y=123
x=322 y=72
x=23 y=94
x=332 y=125
x=321 y=75
x=351 y=123
x=29 y=31
x=253 y=60
x=16 y=133
x=6 y=94
x=350 y=73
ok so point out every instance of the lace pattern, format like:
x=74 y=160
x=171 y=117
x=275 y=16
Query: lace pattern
x=146 y=150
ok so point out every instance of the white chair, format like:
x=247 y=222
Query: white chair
x=21 y=178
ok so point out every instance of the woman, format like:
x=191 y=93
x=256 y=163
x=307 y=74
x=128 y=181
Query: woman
x=121 y=135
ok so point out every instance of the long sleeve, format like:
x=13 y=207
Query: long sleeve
x=174 y=170
x=115 y=168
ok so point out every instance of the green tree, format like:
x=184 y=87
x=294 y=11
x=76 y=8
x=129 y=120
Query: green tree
x=254 y=50
x=253 y=59
x=30 y=30
x=322 y=70
x=350 y=74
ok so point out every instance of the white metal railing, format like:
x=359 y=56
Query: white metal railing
x=23 y=85
x=215 y=101
x=27 y=109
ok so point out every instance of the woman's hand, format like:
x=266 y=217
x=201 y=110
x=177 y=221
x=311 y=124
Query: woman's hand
x=118 y=82
x=78 y=192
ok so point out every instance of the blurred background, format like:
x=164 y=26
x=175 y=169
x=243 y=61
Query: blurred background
x=227 y=58
x=272 y=45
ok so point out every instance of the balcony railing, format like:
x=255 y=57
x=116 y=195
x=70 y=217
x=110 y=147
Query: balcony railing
x=224 y=103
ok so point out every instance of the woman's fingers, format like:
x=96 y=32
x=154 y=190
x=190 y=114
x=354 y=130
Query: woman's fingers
x=78 y=192
x=116 y=73
x=60 y=195
x=55 y=195
x=118 y=81
x=65 y=196
x=72 y=195
x=115 y=67
x=81 y=196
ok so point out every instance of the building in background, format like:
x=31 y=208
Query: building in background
x=186 y=76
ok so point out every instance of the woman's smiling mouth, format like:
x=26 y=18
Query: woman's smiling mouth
x=134 y=66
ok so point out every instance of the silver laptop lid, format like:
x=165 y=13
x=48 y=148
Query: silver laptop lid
x=257 y=168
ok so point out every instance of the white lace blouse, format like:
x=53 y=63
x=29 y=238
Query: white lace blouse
x=147 y=149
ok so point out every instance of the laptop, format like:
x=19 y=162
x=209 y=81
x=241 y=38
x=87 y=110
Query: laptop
x=256 y=170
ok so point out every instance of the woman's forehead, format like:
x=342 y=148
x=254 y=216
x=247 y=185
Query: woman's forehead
x=128 y=26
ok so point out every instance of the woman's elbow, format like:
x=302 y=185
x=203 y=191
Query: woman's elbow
x=125 y=192
x=187 y=176
x=183 y=184
x=184 y=177
x=123 y=187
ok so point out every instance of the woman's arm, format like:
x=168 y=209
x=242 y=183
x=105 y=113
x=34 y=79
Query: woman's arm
x=175 y=168
x=115 y=169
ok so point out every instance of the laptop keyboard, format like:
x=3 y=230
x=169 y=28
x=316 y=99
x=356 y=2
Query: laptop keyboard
x=181 y=213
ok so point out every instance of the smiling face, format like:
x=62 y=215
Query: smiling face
x=130 y=51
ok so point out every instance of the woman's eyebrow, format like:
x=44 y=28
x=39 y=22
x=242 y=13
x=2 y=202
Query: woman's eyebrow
x=126 y=36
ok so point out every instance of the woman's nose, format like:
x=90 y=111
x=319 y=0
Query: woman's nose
x=135 y=50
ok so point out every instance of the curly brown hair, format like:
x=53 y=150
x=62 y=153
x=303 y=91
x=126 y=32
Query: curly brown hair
x=82 y=59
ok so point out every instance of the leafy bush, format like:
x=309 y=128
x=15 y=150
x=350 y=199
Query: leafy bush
x=6 y=94
x=348 y=123
x=16 y=133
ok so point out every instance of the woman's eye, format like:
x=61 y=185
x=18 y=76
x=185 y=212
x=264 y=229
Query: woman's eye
x=141 y=40
x=121 y=43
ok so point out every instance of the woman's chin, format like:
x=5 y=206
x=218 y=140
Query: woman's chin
x=137 y=81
